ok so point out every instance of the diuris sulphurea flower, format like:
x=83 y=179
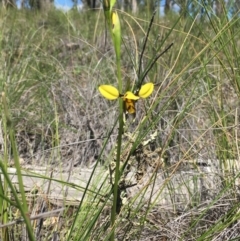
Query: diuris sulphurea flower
x=129 y=98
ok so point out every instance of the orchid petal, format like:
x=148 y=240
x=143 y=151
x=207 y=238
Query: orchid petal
x=146 y=90
x=130 y=106
x=109 y=92
x=129 y=95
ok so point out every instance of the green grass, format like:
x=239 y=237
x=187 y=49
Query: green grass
x=51 y=65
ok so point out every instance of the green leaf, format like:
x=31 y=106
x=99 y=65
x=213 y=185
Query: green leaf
x=107 y=12
x=112 y=3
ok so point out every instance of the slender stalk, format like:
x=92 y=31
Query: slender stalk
x=4 y=205
x=119 y=145
x=23 y=206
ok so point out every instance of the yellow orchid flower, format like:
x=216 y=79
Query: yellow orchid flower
x=112 y=93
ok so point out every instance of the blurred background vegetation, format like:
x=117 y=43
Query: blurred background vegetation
x=136 y=6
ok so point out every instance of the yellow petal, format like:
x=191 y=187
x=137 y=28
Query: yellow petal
x=109 y=92
x=146 y=90
x=129 y=95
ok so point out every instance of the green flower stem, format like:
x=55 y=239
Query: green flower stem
x=115 y=30
x=119 y=145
